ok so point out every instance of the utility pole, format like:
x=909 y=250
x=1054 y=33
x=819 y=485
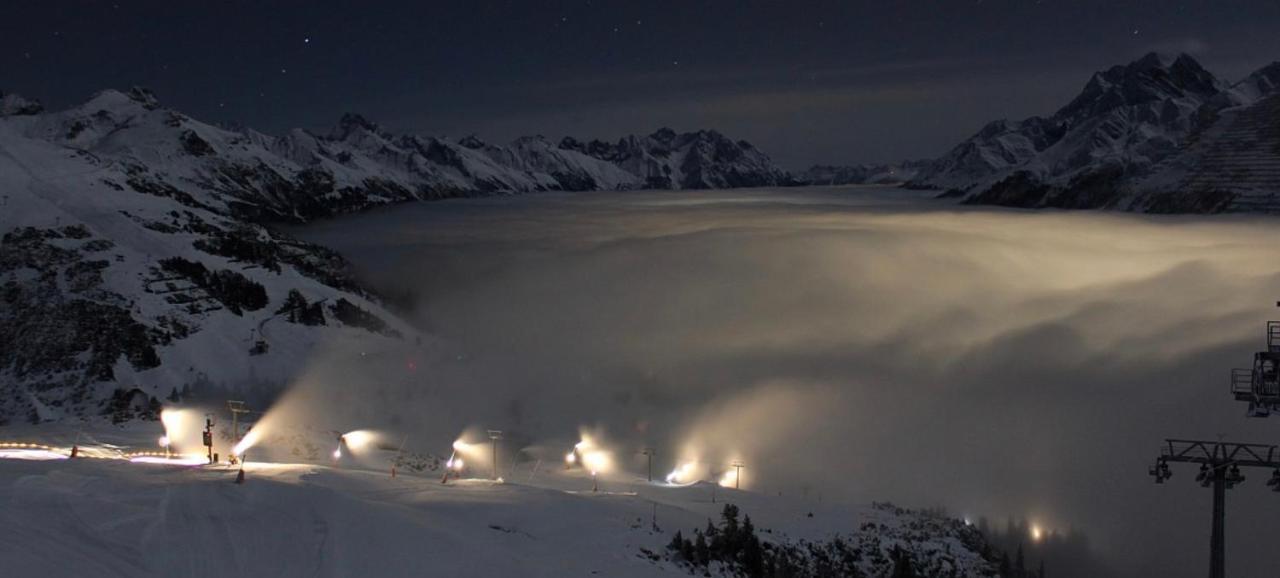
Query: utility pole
x=1220 y=464
x=208 y=435
x=649 y=453
x=737 y=476
x=237 y=408
x=494 y=437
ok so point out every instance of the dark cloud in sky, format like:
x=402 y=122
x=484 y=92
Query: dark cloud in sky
x=809 y=81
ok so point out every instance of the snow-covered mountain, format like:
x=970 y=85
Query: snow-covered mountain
x=137 y=251
x=863 y=174
x=1159 y=134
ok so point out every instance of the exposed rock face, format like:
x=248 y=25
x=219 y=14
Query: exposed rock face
x=1159 y=134
x=136 y=247
x=14 y=105
x=696 y=160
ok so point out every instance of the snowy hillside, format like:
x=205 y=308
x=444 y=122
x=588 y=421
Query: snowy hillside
x=115 y=517
x=119 y=273
x=1146 y=136
x=137 y=251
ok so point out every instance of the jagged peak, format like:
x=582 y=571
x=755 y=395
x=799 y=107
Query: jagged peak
x=663 y=134
x=570 y=143
x=350 y=123
x=1263 y=81
x=1153 y=77
x=472 y=141
x=12 y=104
x=143 y=96
x=112 y=98
x=531 y=139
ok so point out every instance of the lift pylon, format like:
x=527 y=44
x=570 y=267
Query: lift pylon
x=1220 y=464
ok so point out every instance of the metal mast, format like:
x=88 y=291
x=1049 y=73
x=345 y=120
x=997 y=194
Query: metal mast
x=494 y=437
x=1220 y=464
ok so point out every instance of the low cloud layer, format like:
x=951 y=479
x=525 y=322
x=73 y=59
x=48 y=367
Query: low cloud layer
x=999 y=363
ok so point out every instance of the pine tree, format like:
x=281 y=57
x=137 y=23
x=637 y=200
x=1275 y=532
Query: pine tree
x=687 y=552
x=153 y=409
x=1040 y=574
x=752 y=557
x=173 y=396
x=701 y=550
x=901 y=564
x=1020 y=565
x=730 y=518
x=677 y=545
x=1005 y=572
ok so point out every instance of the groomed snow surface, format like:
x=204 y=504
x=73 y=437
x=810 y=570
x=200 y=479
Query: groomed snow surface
x=112 y=517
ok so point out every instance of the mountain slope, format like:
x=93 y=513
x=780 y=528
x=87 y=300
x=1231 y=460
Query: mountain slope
x=1135 y=138
x=137 y=252
x=114 y=278
x=110 y=516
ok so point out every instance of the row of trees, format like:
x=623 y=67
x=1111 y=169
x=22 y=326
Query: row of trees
x=735 y=548
x=235 y=291
x=1070 y=553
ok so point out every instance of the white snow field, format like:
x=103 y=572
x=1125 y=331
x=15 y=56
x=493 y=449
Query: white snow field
x=113 y=517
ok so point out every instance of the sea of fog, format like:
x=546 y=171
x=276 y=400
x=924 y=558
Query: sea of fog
x=845 y=343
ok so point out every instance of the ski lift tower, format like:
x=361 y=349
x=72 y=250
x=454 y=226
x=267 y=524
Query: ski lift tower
x=1220 y=464
x=495 y=436
x=1260 y=385
x=237 y=408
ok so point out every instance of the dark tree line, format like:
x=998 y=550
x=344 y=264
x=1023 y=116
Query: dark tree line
x=736 y=548
x=297 y=309
x=130 y=404
x=732 y=543
x=235 y=291
x=1068 y=554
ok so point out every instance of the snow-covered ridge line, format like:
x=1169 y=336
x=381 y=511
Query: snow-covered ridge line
x=1160 y=134
x=302 y=174
x=137 y=256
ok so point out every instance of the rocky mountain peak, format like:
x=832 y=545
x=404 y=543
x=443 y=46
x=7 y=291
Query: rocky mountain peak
x=1152 y=78
x=1262 y=83
x=15 y=105
x=351 y=123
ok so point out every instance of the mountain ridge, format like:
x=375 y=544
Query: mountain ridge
x=1135 y=138
x=139 y=252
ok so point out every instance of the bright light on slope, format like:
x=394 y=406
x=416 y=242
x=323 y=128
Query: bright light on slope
x=683 y=474
x=358 y=440
x=174 y=461
x=249 y=440
x=31 y=454
x=181 y=428
x=595 y=459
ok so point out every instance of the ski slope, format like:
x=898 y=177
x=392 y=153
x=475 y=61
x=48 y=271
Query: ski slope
x=113 y=517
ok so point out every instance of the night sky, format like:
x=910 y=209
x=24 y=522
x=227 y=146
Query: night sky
x=807 y=81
